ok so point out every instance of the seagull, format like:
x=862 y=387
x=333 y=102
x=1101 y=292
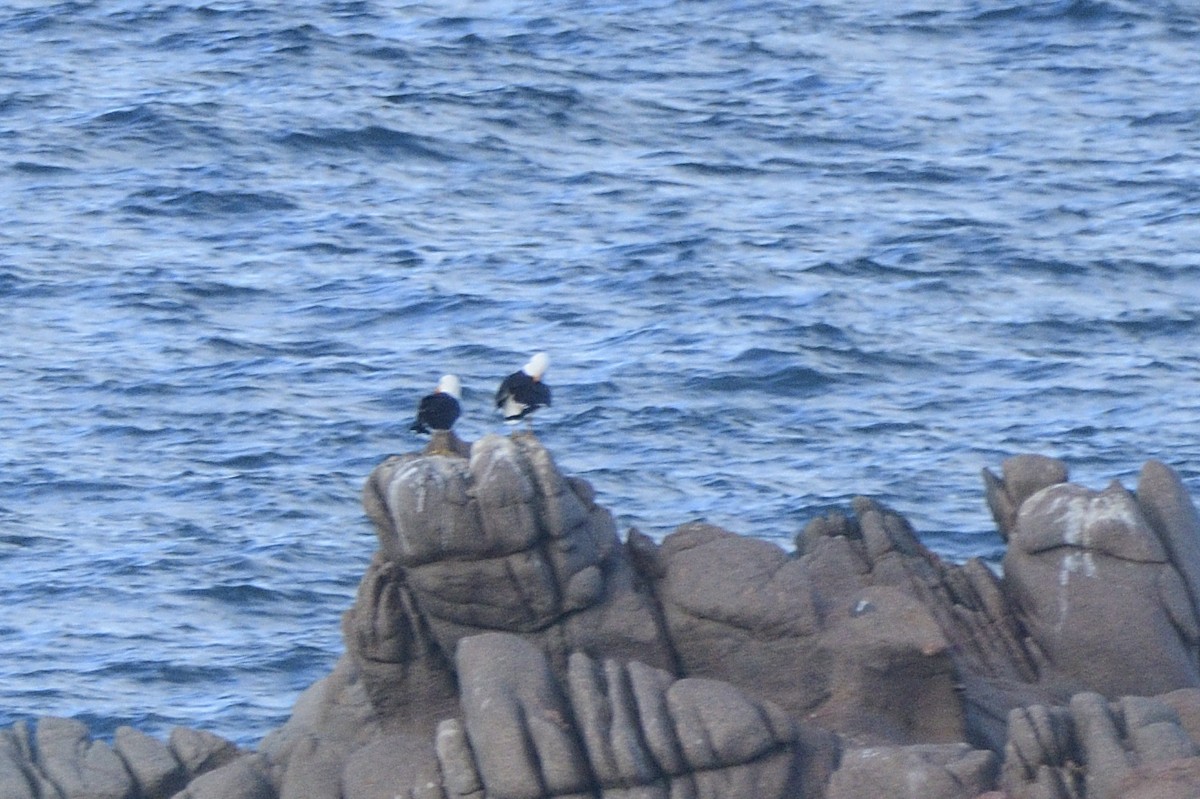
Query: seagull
x=523 y=392
x=439 y=410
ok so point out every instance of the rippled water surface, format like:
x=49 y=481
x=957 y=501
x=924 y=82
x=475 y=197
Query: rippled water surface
x=781 y=254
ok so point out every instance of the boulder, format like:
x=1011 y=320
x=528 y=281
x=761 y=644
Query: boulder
x=1077 y=560
x=200 y=752
x=892 y=676
x=902 y=623
x=842 y=635
x=1173 y=779
x=17 y=780
x=57 y=758
x=499 y=541
x=246 y=777
x=1101 y=750
x=76 y=764
x=1022 y=477
x=154 y=768
x=616 y=730
x=1167 y=507
x=337 y=743
x=927 y=771
x=740 y=610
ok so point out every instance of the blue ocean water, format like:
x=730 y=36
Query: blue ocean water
x=780 y=253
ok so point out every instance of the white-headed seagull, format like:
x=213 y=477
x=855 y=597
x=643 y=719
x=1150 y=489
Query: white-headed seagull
x=523 y=392
x=439 y=410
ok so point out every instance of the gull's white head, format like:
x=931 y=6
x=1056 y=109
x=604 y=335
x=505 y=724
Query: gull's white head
x=449 y=384
x=537 y=366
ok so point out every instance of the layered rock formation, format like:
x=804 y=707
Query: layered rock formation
x=506 y=642
x=58 y=759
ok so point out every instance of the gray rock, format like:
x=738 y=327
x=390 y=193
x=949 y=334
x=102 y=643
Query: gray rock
x=740 y=610
x=717 y=726
x=337 y=743
x=502 y=541
x=616 y=730
x=1186 y=705
x=1079 y=559
x=16 y=778
x=606 y=716
x=1040 y=749
x=521 y=729
x=243 y=778
x=78 y=766
x=1154 y=731
x=1023 y=476
x=314 y=770
x=945 y=638
x=649 y=690
x=393 y=650
x=893 y=678
x=460 y=773
x=706 y=603
x=200 y=752
x=392 y=763
x=929 y=771
x=1101 y=748
x=1137 y=746
x=1107 y=522
x=1166 y=505
x=155 y=770
x=447 y=442
x=1172 y=779
x=435 y=517
x=774 y=775
x=548 y=565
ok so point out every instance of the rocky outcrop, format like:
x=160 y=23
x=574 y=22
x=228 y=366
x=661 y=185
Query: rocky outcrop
x=615 y=730
x=941 y=656
x=1078 y=559
x=499 y=541
x=1098 y=749
x=57 y=757
x=506 y=642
